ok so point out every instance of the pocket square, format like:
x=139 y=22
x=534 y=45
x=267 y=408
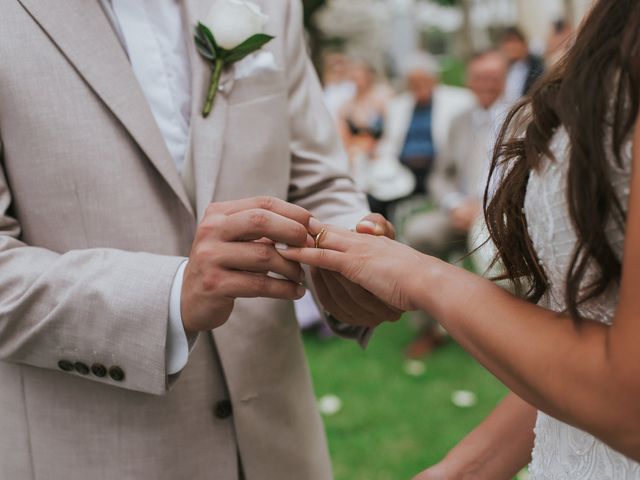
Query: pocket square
x=255 y=64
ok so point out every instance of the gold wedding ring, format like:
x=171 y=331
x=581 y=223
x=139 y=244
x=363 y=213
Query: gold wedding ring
x=320 y=237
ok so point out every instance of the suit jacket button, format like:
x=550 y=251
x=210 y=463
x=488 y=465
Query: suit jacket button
x=223 y=409
x=99 y=370
x=65 y=366
x=116 y=374
x=81 y=368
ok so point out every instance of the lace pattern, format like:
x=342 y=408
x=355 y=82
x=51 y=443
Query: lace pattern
x=562 y=452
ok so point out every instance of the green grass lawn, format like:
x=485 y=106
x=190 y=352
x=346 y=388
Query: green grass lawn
x=393 y=425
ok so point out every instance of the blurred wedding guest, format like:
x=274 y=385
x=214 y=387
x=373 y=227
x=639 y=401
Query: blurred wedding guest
x=524 y=67
x=459 y=178
x=559 y=42
x=418 y=121
x=362 y=119
x=338 y=87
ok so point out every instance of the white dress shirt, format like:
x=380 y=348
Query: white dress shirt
x=516 y=79
x=153 y=35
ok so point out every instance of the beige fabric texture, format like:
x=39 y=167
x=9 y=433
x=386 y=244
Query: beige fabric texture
x=94 y=222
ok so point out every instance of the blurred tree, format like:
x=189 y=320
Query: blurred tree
x=315 y=35
x=465 y=37
x=310 y=6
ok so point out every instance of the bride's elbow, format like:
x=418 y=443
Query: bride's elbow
x=622 y=430
x=626 y=440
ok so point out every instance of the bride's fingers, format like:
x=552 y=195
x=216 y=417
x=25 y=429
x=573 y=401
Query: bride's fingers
x=315 y=257
x=338 y=240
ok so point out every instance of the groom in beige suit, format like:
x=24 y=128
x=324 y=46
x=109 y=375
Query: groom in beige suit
x=103 y=199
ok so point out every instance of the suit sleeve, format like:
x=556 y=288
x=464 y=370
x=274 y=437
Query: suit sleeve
x=96 y=307
x=320 y=180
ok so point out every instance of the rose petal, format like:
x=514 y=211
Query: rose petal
x=329 y=405
x=234 y=21
x=464 y=399
x=415 y=368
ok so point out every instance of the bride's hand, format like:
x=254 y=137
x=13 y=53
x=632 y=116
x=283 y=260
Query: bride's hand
x=382 y=266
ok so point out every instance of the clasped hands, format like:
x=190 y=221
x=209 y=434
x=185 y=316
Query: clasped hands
x=239 y=244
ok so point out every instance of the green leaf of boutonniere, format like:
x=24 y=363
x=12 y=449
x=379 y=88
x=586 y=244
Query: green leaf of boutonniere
x=247 y=47
x=206 y=38
x=219 y=58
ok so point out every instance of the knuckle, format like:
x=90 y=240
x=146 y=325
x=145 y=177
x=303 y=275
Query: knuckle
x=353 y=269
x=258 y=220
x=266 y=202
x=212 y=209
x=202 y=253
x=205 y=229
x=211 y=282
x=264 y=253
x=211 y=225
x=300 y=234
x=261 y=283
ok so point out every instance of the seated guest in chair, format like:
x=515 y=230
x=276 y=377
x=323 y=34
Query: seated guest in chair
x=459 y=176
x=418 y=121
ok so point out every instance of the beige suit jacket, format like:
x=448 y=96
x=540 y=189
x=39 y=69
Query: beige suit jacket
x=94 y=222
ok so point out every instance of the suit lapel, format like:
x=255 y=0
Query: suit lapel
x=207 y=134
x=82 y=32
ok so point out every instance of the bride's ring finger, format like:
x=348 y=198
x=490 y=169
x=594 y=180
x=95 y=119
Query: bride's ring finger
x=320 y=237
x=333 y=239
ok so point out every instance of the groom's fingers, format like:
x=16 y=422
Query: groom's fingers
x=254 y=224
x=315 y=257
x=327 y=300
x=257 y=285
x=375 y=307
x=275 y=205
x=376 y=224
x=259 y=257
x=351 y=311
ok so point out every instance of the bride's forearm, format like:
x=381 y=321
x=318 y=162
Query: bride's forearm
x=543 y=357
x=499 y=447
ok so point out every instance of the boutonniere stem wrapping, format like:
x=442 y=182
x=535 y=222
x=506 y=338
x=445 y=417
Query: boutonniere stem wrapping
x=233 y=29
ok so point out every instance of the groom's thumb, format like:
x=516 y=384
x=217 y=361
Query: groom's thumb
x=376 y=224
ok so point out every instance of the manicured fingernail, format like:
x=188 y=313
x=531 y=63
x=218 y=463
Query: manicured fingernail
x=282 y=246
x=315 y=225
x=300 y=291
x=368 y=224
x=375 y=227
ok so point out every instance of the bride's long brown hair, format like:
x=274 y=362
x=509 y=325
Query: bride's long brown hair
x=593 y=93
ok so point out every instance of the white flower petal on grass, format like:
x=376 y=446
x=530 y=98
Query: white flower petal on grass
x=464 y=399
x=329 y=405
x=415 y=368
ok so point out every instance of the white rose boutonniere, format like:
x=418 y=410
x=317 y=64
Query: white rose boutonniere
x=232 y=30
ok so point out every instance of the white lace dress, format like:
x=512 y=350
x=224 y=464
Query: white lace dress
x=562 y=452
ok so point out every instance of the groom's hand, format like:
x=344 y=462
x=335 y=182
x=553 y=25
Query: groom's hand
x=346 y=301
x=232 y=254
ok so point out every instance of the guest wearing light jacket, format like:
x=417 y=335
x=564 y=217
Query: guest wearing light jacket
x=459 y=176
x=418 y=121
